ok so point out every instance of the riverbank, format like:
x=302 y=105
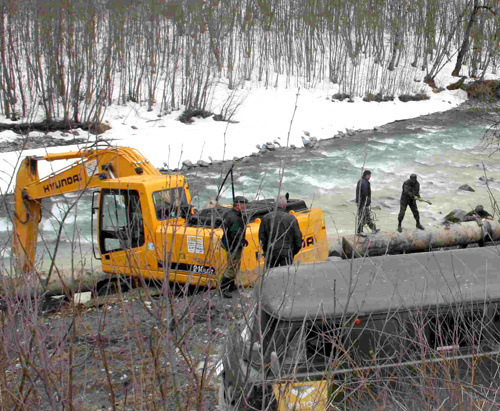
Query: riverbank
x=282 y=117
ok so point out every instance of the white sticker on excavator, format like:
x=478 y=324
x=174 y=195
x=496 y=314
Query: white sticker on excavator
x=195 y=245
x=91 y=167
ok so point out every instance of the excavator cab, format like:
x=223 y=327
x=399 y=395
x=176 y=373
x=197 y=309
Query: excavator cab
x=120 y=220
x=137 y=217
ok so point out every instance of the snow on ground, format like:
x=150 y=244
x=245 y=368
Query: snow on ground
x=265 y=114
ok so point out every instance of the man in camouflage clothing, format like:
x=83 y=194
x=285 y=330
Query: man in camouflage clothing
x=233 y=242
x=411 y=191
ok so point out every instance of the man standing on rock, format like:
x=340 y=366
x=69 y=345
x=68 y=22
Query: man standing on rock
x=409 y=196
x=280 y=236
x=364 y=200
x=233 y=242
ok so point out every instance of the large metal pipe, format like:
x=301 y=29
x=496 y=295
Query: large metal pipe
x=462 y=234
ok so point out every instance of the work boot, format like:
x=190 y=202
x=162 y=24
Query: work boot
x=375 y=230
x=420 y=226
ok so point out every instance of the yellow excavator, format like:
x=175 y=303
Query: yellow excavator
x=146 y=224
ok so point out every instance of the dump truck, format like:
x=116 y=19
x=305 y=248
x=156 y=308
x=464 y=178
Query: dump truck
x=146 y=224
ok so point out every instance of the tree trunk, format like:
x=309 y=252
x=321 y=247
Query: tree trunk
x=466 y=42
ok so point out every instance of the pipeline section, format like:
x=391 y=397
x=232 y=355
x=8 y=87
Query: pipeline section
x=454 y=235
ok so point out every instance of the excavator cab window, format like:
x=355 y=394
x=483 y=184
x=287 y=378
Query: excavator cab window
x=121 y=223
x=171 y=203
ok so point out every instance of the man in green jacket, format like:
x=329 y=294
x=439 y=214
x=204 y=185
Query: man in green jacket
x=233 y=242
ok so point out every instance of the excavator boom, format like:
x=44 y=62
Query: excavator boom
x=95 y=165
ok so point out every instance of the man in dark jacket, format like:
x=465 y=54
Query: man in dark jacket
x=233 y=242
x=364 y=200
x=478 y=214
x=411 y=191
x=280 y=236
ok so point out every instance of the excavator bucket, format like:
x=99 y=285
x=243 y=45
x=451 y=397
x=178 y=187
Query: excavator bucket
x=27 y=214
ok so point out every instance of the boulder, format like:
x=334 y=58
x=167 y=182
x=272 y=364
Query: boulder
x=306 y=142
x=202 y=163
x=312 y=142
x=455 y=216
x=101 y=128
x=466 y=187
x=187 y=164
x=484 y=179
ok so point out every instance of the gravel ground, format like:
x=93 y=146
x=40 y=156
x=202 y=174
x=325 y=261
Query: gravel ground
x=124 y=354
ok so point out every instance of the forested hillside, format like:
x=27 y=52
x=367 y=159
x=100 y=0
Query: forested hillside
x=72 y=58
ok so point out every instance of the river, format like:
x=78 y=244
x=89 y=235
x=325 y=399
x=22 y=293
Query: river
x=443 y=149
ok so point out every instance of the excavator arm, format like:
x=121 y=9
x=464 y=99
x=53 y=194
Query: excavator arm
x=93 y=165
